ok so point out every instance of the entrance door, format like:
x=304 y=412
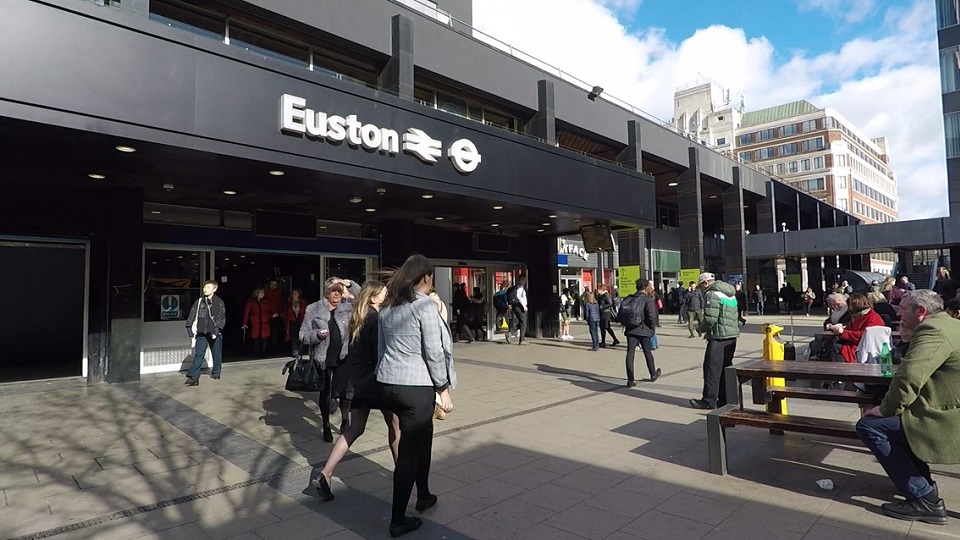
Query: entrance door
x=42 y=324
x=487 y=278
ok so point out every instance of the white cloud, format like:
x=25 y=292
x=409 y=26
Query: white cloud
x=887 y=86
x=850 y=11
x=622 y=6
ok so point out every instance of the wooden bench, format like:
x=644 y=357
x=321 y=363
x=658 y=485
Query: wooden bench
x=843 y=396
x=732 y=415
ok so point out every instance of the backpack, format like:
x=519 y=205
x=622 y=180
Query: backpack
x=500 y=301
x=631 y=311
x=512 y=296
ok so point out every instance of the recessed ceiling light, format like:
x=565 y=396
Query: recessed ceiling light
x=498 y=207
x=277 y=172
x=179 y=256
x=439 y=218
x=243 y=256
x=713 y=196
x=323 y=226
x=426 y=196
x=155 y=212
x=154 y=262
x=370 y=209
x=96 y=176
x=539 y=230
x=494 y=224
x=229 y=192
x=226 y=258
x=355 y=199
x=125 y=149
x=551 y=216
x=545 y=224
x=673 y=184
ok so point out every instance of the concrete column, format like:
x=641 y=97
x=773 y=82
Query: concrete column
x=542 y=267
x=830 y=266
x=397 y=75
x=905 y=262
x=734 y=255
x=631 y=156
x=767 y=212
x=543 y=125
x=124 y=239
x=690 y=210
x=955 y=258
x=815 y=276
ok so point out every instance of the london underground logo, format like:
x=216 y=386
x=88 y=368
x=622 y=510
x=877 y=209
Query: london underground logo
x=297 y=119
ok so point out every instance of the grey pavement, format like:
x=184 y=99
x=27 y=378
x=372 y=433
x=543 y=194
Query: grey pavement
x=545 y=442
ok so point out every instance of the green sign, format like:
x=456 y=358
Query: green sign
x=689 y=274
x=627 y=277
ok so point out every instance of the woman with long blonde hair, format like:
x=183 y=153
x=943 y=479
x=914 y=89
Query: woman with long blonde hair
x=361 y=363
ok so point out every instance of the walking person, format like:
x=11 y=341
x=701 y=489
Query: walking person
x=741 y=304
x=325 y=331
x=591 y=314
x=759 y=299
x=257 y=315
x=605 y=303
x=361 y=365
x=680 y=299
x=566 y=305
x=415 y=368
x=721 y=329
x=808 y=297
x=638 y=313
x=205 y=326
x=694 y=301
x=517 y=297
x=501 y=306
x=293 y=319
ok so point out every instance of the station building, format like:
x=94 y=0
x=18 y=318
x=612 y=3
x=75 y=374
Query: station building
x=150 y=145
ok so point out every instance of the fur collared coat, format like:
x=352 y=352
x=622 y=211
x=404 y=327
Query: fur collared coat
x=317 y=316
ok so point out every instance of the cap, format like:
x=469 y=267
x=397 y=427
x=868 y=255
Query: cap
x=706 y=276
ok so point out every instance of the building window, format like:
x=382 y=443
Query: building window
x=745 y=139
x=172 y=280
x=722 y=140
x=812 y=144
x=948 y=13
x=809 y=125
x=842 y=203
x=766 y=134
x=841 y=160
x=788 y=149
x=781 y=167
x=268 y=45
x=765 y=153
x=841 y=182
x=786 y=131
x=805 y=165
x=818 y=162
x=951 y=128
x=949 y=70
x=746 y=157
x=793 y=166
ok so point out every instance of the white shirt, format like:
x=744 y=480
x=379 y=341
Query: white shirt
x=522 y=296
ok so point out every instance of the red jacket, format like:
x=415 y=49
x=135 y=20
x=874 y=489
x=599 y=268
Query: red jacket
x=293 y=316
x=853 y=333
x=256 y=316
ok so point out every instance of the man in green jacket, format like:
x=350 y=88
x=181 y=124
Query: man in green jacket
x=721 y=328
x=919 y=420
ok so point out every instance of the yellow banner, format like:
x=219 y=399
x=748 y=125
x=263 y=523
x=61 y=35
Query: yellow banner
x=627 y=277
x=689 y=274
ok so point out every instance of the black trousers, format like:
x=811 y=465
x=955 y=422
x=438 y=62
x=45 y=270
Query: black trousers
x=606 y=328
x=414 y=406
x=520 y=317
x=719 y=355
x=646 y=347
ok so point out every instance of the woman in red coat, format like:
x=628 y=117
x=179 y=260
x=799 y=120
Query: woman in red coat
x=862 y=316
x=256 y=318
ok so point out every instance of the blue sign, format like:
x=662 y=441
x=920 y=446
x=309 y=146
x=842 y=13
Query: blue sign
x=169 y=307
x=562 y=260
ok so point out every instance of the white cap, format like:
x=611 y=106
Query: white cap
x=706 y=276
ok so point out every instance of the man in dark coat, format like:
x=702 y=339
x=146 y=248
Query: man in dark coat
x=643 y=306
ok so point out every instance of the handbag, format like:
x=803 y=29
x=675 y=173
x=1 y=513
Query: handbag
x=654 y=343
x=303 y=375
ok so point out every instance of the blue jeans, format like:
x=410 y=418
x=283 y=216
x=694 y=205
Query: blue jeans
x=216 y=346
x=886 y=439
x=595 y=333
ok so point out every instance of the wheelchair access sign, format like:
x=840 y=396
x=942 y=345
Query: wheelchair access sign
x=169 y=307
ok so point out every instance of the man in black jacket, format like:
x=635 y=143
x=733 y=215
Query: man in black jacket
x=695 y=304
x=638 y=313
x=205 y=324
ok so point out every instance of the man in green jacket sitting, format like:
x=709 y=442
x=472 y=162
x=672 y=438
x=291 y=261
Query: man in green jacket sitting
x=721 y=328
x=919 y=420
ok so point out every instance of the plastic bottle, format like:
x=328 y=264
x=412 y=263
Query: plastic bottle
x=886 y=361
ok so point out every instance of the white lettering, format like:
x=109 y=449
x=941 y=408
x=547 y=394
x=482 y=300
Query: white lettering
x=335 y=129
x=297 y=119
x=391 y=141
x=464 y=155
x=418 y=143
x=292 y=114
x=316 y=124
x=370 y=136
x=353 y=130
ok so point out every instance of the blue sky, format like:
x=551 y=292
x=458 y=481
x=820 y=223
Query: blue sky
x=874 y=61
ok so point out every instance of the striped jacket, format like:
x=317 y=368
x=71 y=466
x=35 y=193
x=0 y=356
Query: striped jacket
x=720 y=318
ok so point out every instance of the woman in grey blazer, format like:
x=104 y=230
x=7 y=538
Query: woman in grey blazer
x=415 y=366
x=324 y=330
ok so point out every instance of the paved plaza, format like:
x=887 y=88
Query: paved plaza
x=545 y=442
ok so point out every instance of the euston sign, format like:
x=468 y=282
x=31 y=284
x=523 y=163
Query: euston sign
x=297 y=119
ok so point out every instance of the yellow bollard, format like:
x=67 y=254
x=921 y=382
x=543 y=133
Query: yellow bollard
x=773 y=350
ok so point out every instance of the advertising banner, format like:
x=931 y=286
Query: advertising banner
x=627 y=280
